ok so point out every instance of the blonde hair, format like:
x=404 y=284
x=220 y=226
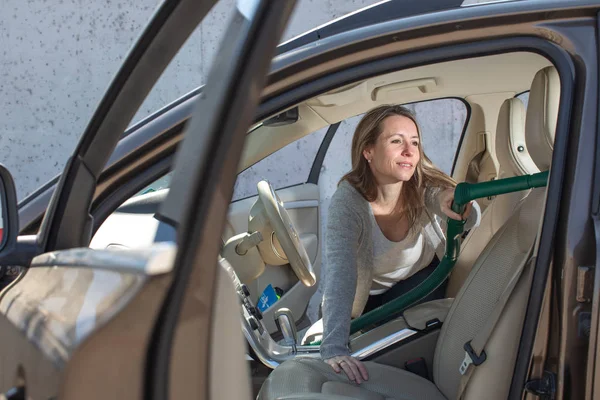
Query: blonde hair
x=412 y=197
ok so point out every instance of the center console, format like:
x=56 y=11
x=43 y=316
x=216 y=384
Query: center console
x=415 y=323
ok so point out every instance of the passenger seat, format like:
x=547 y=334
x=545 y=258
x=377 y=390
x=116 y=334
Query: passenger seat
x=514 y=160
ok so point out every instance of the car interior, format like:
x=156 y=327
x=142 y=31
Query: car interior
x=503 y=138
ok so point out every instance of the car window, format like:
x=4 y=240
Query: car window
x=159 y=184
x=291 y=164
x=524 y=97
x=288 y=166
x=442 y=122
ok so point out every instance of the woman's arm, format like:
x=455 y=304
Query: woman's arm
x=439 y=201
x=339 y=276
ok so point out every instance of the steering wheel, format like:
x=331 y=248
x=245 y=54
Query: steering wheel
x=286 y=233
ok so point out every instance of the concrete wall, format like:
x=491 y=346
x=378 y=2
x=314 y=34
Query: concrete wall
x=59 y=56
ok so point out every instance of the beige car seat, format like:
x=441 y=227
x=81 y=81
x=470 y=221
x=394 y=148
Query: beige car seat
x=514 y=160
x=544 y=98
x=309 y=378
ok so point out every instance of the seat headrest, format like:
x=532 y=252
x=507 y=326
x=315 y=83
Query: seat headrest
x=511 y=149
x=542 y=113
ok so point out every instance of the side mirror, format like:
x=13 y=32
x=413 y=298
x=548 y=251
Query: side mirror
x=9 y=216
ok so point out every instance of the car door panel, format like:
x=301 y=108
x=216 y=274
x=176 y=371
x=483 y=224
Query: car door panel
x=302 y=204
x=179 y=361
x=22 y=359
x=54 y=317
x=62 y=300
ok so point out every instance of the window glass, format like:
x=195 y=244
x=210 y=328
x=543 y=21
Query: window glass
x=288 y=166
x=159 y=184
x=524 y=97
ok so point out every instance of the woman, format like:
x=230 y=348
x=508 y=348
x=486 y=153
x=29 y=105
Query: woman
x=383 y=237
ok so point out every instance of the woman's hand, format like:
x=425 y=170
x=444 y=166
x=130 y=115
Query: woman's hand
x=354 y=369
x=446 y=197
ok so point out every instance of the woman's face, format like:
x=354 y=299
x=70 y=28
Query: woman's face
x=395 y=154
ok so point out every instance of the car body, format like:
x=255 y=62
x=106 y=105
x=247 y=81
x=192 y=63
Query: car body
x=147 y=314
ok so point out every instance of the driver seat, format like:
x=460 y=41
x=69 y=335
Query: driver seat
x=309 y=378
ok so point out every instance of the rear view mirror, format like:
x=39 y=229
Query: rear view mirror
x=287 y=117
x=9 y=218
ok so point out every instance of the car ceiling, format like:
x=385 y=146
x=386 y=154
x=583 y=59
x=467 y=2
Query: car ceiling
x=510 y=73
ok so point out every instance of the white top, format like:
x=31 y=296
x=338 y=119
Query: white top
x=396 y=261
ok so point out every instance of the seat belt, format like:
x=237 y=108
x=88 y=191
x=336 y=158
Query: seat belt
x=474 y=349
x=474 y=166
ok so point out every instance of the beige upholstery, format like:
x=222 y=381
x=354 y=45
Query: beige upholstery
x=494 y=267
x=307 y=375
x=542 y=113
x=511 y=149
x=510 y=135
x=494 y=376
x=469 y=311
x=507 y=249
x=418 y=316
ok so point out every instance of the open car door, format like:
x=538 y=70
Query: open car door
x=79 y=323
x=198 y=203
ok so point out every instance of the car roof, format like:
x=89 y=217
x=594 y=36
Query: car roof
x=383 y=11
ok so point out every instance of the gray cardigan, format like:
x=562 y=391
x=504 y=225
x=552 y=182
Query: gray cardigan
x=347 y=277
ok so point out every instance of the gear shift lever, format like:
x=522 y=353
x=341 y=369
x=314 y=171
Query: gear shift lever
x=285 y=322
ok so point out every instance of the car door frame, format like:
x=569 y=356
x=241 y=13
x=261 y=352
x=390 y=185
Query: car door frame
x=204 y=168
x=322 y=87
x=553 y=203
x=291 y=87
